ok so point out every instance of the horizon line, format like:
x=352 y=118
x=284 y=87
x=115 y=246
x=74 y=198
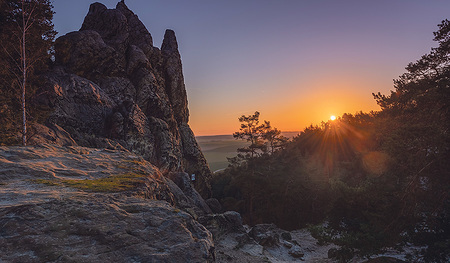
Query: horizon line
x=210 y=135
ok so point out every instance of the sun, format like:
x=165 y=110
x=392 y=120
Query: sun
x=332 y=117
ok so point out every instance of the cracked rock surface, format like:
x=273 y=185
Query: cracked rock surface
x=45 y=218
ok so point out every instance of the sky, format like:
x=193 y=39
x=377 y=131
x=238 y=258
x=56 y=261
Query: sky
x=297 y=62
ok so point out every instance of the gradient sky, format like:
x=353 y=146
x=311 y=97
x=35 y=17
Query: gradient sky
x=297 y=62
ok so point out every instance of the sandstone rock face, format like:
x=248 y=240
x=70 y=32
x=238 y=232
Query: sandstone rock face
x=77 y=204
x=112 y=88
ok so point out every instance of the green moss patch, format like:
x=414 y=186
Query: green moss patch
x=117 y=183
x=46 y=182
x=135 y=165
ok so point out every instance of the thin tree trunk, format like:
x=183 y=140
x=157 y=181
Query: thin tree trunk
x=24 y=81
x=24 y=113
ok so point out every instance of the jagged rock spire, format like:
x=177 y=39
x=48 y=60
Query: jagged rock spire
x=170 y=42
x=175 y=87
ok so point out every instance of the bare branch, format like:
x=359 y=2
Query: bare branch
x=11 y=57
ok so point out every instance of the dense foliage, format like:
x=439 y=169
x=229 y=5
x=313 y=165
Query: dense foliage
x=377 y=179
x=39 y=36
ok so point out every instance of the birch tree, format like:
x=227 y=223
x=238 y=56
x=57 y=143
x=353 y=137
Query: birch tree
x=26 y=39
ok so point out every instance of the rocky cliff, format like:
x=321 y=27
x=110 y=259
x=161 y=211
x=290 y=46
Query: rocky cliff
x=111 y=88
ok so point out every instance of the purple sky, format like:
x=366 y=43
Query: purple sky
x=297 y=62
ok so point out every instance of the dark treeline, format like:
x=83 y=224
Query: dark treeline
x=378 y=179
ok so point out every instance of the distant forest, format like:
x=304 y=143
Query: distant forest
x=365 y=181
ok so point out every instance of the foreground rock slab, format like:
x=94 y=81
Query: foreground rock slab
x=102 y=229
x=52 y=209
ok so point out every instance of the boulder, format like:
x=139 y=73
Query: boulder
x=265 y=234
x=296 y=252
x=234 y=219
x=286 y=236
x=384 y=260
x=341 y=254
x=222 y=224
x=214 y=204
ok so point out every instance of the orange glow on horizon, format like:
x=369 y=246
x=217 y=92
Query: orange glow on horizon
x=287 y=113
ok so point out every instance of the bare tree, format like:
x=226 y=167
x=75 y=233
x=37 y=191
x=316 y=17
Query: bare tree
x=26 y=24
x=30 y=36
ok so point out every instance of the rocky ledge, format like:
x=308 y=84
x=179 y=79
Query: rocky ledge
x=76 y=204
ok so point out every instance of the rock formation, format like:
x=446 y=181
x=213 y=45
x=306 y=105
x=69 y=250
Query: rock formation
x=112 y=88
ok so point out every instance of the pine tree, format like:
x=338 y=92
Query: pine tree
x=252 y=132
x=417 y=121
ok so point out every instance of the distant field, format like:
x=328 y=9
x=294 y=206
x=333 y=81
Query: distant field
x=217 y=148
